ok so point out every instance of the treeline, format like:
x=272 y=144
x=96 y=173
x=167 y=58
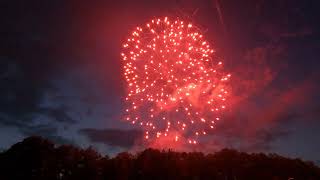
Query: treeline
x=37 y=158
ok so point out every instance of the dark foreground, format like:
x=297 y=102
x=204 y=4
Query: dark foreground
x=37 y=158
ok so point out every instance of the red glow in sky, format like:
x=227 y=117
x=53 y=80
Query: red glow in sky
x=175 y=84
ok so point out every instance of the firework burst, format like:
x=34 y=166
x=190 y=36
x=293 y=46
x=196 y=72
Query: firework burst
x=175 y=83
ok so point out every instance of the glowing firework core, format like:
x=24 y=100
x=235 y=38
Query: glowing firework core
x=174 y=84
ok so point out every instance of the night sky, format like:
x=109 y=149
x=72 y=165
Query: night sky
x=61 y=72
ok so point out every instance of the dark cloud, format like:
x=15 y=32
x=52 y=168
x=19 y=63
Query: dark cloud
x=31 y=56
x=264 y=139
x=113 y=137
x=21 y=101
x=49 y=131
x=41 y=130
x=59 y=114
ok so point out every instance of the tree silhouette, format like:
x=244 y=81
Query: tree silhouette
x=38 y=158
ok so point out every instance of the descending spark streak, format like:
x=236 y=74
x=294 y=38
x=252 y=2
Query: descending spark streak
x=173 y=82
x=217 y=4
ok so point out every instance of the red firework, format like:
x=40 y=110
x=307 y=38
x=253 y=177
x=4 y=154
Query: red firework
x=175 y=85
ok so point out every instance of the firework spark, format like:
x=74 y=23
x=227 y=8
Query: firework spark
x=175 y=84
